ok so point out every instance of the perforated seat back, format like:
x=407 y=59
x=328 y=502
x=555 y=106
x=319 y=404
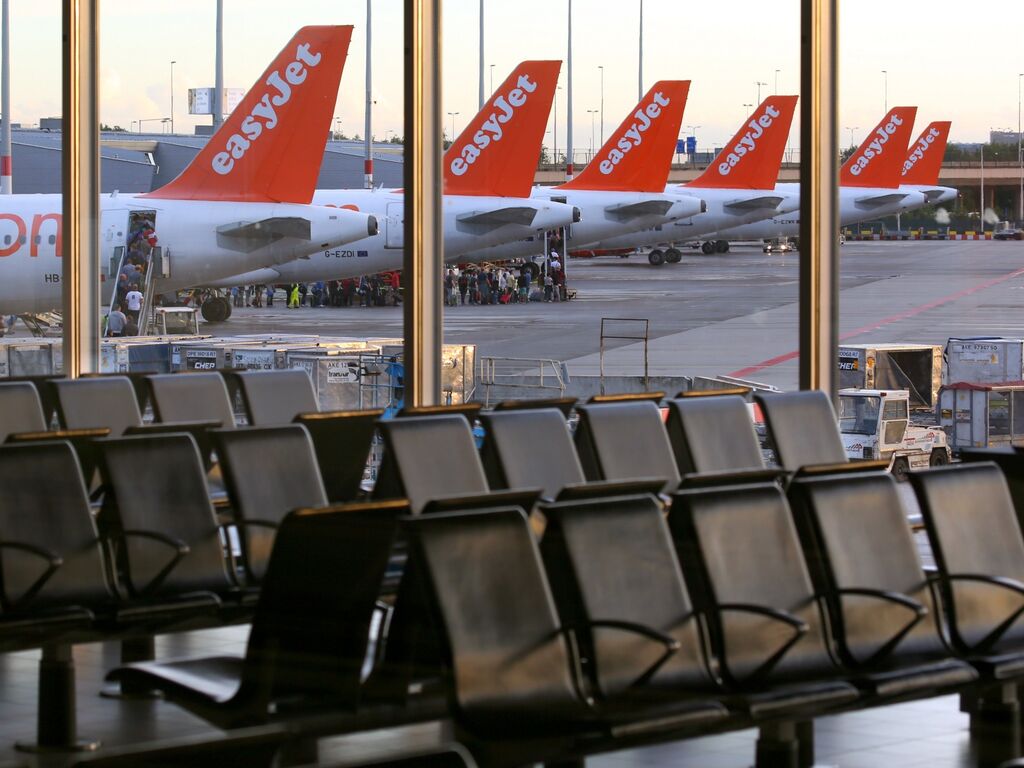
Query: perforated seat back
x=529 y=449
x=428 y=457
x=973 y=529
x=103 y=401
x=803 y=428
x=312 y=623
x=191 y=397
x=20 y=409
x=491 y=596
x=268 y=472
x=712 y=434
x=342 y=442
x=276 y=397
x=614 y=559
x=855 y=535
x=739 y=545
x=158 y=484
x=624 y=441
x=44 y=504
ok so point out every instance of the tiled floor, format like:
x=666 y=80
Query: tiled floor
x=931 y=733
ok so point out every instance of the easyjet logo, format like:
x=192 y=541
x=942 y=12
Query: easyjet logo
x=922 y=146
x=748 y=141
x=505 y=108
x=877 y=145
x=633 y=136
x=264 y=114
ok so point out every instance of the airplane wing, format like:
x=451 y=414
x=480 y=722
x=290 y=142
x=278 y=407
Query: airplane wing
x=247 y=236
x=874 y=201
x=485 y=221
x=636 y=210
x=753 y=203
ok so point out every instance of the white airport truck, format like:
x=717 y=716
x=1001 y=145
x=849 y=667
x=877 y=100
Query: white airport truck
x=876 y=424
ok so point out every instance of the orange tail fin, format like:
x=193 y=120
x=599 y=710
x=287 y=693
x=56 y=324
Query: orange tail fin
x=637 y=156
x=879 y=158
x=752 y=159
x=271 y=146
x=924 y=160
x=497 y=153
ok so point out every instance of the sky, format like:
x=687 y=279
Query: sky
x=950 y=65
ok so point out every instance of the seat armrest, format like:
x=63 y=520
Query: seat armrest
x=799 y=627
x=181 y=549
x=909 y=603
x=177 y=544
x=672 y=645
x=1001 y=582
x=53 y=563
x=918 y=610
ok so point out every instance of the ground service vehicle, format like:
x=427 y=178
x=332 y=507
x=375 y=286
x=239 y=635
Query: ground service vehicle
x=875 y=424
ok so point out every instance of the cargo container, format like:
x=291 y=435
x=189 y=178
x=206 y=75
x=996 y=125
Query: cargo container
x=984 y=360
x=916 y=368
x=982 y=415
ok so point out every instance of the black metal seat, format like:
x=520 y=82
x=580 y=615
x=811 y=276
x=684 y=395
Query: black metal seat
x=310 y=631
x=101 y=401
x=741 y=557
x=20 y=409
x=532 y=447
x=863 y=559
x=712 y=434
x=190 y=397
x=427 y=458
x=272 y=398
x=163 y=527
x=976 y=541
x=1011 y=461
x=625 y=440
x=342 y=441
x=515 y=673
x=260 y=499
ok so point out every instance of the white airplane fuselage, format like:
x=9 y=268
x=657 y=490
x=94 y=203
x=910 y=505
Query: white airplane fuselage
x=202 y=240
x=854 y=206
x=470 y=223
x=725 y=208
x=604 y=215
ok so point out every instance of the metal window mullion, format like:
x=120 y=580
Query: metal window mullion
x=80 y=184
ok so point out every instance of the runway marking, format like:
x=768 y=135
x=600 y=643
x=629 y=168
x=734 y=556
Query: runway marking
x=771 y=362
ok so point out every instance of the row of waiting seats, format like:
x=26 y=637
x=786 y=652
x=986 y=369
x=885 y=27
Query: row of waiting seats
x=332 y=569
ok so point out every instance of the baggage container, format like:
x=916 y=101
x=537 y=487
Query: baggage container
x=984 y=360
x=982 y=415
x=916 y=368
x=29 y=357
x=345 y=381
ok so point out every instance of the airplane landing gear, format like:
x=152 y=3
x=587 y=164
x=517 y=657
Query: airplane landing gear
x=656 y=258
x=216 y=309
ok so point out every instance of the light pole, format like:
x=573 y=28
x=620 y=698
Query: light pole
x=172 y=96
x=640 y=57
x=554 y=129
x=759 y=84
x=777 y=81
x=492 y=78
x=601 y=67
x=747 y=108
x=592 y=113
x=693 y=132
x=151 y=119
x=885 y=89
x=452 y=116
x=851 y=130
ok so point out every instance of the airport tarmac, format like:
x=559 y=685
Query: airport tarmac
x=733 y=314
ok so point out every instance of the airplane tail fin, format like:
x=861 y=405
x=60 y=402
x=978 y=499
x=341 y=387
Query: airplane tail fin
x=752 y=159
x=637 y=156
x=879 y=158
x=924 y=159
x=497 y=153
x=271 y=146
